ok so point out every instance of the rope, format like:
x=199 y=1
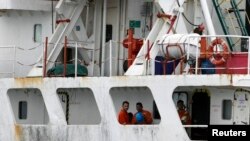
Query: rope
x=30 y=48
x=67 y=104
x=186 y=17
x=26 y=64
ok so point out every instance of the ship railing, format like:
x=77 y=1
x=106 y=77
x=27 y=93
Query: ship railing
x=110 y=64
x=241 y=48
x=113 y=57
x=13 y=62
x=8 y=60
x=78 y=47
x=112 y=60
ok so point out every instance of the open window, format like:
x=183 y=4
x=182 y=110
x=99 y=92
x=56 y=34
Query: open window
x=79 y=106
x=134 y=95
x=28 y=106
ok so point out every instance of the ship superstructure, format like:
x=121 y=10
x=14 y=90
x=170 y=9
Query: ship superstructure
x=67 y=65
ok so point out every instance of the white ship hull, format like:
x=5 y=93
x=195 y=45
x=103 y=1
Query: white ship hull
x=53 y=126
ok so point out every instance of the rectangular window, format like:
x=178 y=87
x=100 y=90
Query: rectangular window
x=38 y=33
x=226 y=109
x=22 y=110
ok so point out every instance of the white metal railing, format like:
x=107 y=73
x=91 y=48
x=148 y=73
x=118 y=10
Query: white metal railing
x=197 y=68
x=76 y=46
x=9 y=56
x=111 y=57
x=112 y=61
x=91 y=53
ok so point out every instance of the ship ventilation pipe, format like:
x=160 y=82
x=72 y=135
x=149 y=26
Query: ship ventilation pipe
x=208 y=18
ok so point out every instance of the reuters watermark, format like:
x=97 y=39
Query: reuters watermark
x=219 y=132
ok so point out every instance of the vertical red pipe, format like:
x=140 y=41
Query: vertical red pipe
x=45 y=57
x=65 y=56
x=181 y=68
x=148 y=54
x=130 y=47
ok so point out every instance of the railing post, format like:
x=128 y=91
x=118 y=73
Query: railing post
x=45 y=57
x=248 y=57
x=110 y=58
x=14 y=62
x=76 y=59
x=65 y=57
x=196 y=60
x=93 y=61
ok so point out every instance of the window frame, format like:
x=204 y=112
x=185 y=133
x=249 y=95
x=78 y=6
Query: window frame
x=225 y=107
x=38 y=27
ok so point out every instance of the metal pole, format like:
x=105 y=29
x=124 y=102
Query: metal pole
x=76 y=59
x=93 y=61
x=65 y=56
x=123 y=35
x=14 y=61
x=110 y=57
x=87 y=18
x=207 y=16
x=147 y=60
x=130 y=47
x=118 y=46
x=248 y=67
x=196 y=60
x=188 y=47
x=45 y=57
x=52 y=15
x=103 y=36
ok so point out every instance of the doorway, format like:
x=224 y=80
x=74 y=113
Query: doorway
x=200 y=114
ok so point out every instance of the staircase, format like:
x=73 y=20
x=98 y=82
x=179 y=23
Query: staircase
x=231 y=21
x=141 y=65
x=66 y=10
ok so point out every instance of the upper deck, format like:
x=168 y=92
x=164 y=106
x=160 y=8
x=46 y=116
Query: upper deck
x=181 y=58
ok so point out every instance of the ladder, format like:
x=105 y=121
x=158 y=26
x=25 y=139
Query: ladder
x=231 y=21
x=55 y=46
x=161 y=27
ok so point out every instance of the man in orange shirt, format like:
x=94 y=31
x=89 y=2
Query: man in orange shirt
x=142 y=116
x=183 y=114
x=123 y=116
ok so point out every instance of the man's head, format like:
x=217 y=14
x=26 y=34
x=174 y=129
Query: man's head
x=139 y=106
x=125 y=105
x=180 y=105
